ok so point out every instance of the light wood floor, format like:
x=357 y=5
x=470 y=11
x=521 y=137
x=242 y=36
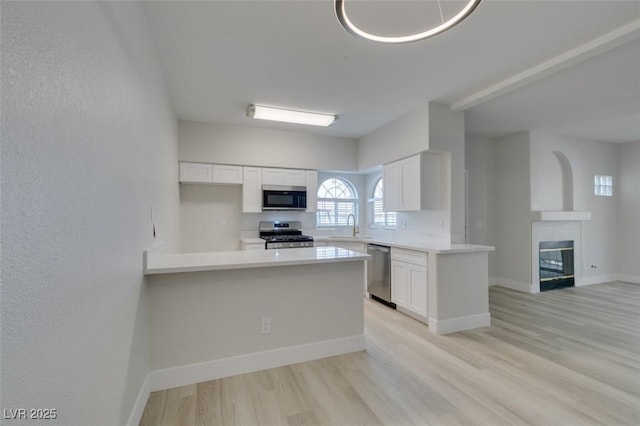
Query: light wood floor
x=563 y=357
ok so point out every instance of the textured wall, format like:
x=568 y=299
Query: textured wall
x=89 y=145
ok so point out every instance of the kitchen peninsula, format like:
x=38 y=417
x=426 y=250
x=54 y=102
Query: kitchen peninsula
x=441 y=284
x=218 y=314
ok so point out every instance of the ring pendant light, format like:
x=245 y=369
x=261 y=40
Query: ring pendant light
x=346 y=23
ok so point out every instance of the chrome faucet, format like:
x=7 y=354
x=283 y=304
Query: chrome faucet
x=355 y=228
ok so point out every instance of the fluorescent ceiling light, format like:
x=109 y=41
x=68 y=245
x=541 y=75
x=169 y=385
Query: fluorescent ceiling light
x=262 y=112
x=352 y=29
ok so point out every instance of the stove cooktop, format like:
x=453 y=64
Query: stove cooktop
x=276 y=238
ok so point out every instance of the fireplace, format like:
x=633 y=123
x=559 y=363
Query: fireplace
x=556 y=265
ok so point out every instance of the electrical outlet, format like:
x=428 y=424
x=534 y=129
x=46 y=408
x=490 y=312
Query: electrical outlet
x=265 y=326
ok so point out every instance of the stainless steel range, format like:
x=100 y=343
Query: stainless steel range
x=278 y=235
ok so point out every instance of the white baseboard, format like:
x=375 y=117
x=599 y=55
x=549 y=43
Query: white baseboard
x=635 y=279
x=597 y=279
x=413 y=315
x=459 y=324
x=219 y=368
x=141 y=402
x=513 y=285
x=493 y=281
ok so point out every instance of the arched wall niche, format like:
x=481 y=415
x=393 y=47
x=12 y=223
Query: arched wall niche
x=567 y=181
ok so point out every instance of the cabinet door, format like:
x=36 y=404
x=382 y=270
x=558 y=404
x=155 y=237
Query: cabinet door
x=272 y=176
x=196 y=173
x=392 y=175
x=295 y=177
x=227 y=174
x=399 y=284
x=431 y=181
x=311 y=182
x=417 y=276
x=252 y=190
x=411 y=183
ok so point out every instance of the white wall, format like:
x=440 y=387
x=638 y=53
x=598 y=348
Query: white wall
x=211 y=217
x=446 y=133
x=587 y=158
x=512 y=215
x=244 y=145
x=307 y=304
x=89 y=145
x=400 y=138
x=628 y=190
x=480 y=163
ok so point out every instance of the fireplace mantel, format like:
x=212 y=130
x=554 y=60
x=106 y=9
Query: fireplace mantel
x=548 y=215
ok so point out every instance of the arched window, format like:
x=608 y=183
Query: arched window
x=337 y=199
x=378 y=217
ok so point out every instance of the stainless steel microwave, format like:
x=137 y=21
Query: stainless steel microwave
x=277 y=197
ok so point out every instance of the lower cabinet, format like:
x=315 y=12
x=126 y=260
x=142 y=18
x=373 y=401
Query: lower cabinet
x=409 y=281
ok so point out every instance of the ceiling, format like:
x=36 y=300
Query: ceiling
x=570 y=67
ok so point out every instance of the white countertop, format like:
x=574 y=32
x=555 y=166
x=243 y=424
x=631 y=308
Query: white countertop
x=433 y=247
x=214 y=261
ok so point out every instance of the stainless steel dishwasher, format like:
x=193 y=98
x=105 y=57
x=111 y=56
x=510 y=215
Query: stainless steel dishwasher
x=379 y=274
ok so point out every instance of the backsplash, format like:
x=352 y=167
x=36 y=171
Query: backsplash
x=212 y=220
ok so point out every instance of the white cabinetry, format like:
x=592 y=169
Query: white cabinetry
x=392 y=187
x=210 y=173
x=251 y=246
x=409 y=285
x=252 y=190
x=196 y=173
x=413 y=183
x=311 y=182
x=251 y=179
x=291 y=177
x=223 y=173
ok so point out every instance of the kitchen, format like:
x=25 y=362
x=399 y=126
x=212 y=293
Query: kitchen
x=92 y=142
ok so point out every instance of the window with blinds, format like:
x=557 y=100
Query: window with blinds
x=378 y=218
x=337 y=199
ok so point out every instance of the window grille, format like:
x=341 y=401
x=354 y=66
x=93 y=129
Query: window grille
x=603 y=186
x=337 y=199
x=378 y=218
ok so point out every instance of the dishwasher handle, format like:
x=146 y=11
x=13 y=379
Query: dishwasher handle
x=375 y=247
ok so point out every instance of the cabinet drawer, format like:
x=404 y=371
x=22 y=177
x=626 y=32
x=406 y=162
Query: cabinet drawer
x=409 y=256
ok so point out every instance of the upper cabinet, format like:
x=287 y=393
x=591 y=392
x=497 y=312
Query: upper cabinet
x=251 y=179
x=311 y=182
x=291 y=177
x=196 y=173
x=210 y=173
x=252 y=190
x=255 y=177
x=223 y=173
x=412 y=183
